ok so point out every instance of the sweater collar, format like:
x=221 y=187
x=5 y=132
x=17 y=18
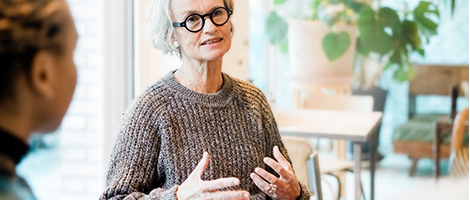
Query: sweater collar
x=218 y=99
x=12 y=147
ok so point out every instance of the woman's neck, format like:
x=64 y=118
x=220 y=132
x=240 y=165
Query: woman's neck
x=15 y=122
x=203 y=77
x=19 y=114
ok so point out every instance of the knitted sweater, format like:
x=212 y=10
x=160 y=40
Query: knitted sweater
x=166 y=130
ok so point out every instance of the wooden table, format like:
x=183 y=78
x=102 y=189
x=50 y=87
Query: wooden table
x=357 y=127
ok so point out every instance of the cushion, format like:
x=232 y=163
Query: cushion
x=421 y=129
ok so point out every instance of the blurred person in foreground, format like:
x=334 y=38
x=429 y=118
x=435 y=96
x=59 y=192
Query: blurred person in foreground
x=37 y=80
x=197 y=111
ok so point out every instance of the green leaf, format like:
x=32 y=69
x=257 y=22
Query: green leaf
x=387 y=66
x=410 y=34
x=335 y=45
x=314 y=4
x=276 y=28
x=404 y=72
x=401 y=74
x=355 y=5
x=452 y=7
x=421 y=52
x=387 y=17
x=396 y=57
x=277 y=2
x=411 y=71
x=423 y=10
x=372 y=28
x=424 y=14
x=361 y=49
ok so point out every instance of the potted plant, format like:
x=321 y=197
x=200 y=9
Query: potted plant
x=391 y=34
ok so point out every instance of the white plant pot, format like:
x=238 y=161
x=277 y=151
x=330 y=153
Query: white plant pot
x=308 y=62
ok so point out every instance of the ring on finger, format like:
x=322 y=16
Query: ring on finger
x=272 y=190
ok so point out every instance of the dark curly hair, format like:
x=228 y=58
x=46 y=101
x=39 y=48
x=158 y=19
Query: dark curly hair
x=27 y=27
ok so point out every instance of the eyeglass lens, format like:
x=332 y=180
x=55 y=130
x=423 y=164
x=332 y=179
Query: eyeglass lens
x=218 y=16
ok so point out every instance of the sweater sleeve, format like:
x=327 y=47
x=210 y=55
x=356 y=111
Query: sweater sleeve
x=132 y=172
x=274 y=139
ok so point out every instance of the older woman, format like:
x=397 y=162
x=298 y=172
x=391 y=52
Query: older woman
x=37 y=79
x=199 y=111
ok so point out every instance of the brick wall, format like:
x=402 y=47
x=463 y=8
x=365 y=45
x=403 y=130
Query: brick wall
x=81 y=134
x=68 y=164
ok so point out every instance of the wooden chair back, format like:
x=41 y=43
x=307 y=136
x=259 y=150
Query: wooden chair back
x=435 y=80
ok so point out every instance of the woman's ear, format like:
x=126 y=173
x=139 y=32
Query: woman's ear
x=41 y=77
x=231 y=28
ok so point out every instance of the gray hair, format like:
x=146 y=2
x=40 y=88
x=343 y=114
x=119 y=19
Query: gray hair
x=159 y=28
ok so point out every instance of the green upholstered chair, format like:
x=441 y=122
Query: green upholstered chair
x=415 y=137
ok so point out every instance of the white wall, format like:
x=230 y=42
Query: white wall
x=237 y=60
x=149 y=63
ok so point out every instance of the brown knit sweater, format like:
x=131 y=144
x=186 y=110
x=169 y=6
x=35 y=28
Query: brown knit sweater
x=166 y=130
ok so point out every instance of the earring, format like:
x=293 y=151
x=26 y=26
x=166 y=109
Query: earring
x=176 y=44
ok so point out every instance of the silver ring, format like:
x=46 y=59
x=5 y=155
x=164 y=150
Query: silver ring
x=273 y=189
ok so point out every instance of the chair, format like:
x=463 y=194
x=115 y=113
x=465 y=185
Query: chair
x=303 y=158
x=415 y=137
x=357 y=103
x=458 y=164
x=380 y=97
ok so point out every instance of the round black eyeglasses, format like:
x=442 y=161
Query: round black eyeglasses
x=195 y=22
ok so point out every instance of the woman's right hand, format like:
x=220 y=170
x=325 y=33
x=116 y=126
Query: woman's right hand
x=195 y=188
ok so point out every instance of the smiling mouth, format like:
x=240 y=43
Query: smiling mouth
x=212 y=41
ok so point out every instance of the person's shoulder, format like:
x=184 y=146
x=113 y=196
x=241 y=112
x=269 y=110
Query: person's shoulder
x=152 y=100
x=250 y=93
x=157 y=89
x=247 y=87
x=154 y=93
x=14 y=187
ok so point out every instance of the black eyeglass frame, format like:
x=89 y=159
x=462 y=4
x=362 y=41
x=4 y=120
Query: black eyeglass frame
x=203 y=17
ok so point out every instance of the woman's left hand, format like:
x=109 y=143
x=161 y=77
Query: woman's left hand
x=286 y=187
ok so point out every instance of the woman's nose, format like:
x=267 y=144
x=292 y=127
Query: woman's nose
x=208 y=26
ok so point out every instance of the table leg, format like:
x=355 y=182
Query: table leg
x=373 y=151
x=437 y=151
x=357 y=170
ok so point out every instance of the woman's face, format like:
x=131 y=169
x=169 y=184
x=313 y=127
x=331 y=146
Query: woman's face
x=210 y=43
x=65 y=71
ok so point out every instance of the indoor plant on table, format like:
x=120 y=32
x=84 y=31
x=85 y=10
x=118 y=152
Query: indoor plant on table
x=391 y=34
x=342 y=30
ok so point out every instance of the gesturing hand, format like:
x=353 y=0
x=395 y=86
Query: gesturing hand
x=286 y=187
x=195 y=188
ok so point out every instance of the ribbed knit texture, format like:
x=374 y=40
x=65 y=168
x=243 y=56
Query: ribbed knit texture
x=166 y=130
